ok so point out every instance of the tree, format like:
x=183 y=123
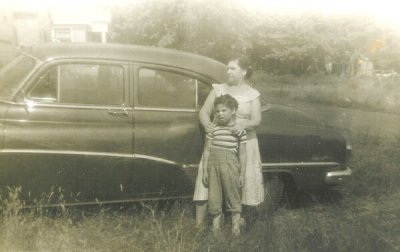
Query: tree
x=297 y=44
x=209 y=29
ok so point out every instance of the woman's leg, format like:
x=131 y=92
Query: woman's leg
x=201 y=212
x=249 y=215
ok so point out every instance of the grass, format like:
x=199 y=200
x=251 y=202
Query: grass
x=362 y=215
x=365 y=93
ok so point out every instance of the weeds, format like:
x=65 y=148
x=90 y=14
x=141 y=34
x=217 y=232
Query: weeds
x=365 y=219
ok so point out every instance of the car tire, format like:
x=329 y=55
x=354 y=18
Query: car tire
x=273 y=192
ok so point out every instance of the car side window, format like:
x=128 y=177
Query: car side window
x=46 y=87
x=89 y=84
x=159 y=88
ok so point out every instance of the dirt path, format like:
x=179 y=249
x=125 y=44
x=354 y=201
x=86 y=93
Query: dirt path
x=375 y=123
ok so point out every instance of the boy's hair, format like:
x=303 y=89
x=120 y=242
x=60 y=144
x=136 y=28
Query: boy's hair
x=226 y=100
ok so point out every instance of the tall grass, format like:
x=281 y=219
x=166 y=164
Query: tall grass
x=376 y=165
x=360 y=216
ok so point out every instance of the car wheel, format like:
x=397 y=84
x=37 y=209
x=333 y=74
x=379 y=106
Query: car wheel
x=273 y=192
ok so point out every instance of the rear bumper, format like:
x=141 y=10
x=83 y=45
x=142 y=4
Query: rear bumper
x=337 y=177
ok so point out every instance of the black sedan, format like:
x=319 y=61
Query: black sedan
x=106 y=123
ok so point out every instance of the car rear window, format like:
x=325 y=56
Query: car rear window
x=159 y=88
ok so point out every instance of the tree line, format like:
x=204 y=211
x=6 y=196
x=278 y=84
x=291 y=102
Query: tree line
x=279 y=44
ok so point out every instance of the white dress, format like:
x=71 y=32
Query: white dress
x=253 y=190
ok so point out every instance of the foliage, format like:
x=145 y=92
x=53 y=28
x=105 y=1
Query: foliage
x=279 y=44
x=190 y=26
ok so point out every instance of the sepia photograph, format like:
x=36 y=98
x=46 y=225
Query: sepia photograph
x=199 y=125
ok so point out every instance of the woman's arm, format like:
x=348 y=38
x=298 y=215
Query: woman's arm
x=255 y=118
x=206 y=154
x=207 y=110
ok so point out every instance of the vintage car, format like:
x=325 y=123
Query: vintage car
x=109 y=123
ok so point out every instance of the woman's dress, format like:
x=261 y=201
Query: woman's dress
x=253 y=190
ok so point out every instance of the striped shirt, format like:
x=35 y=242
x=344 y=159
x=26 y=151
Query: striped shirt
x=222 y=137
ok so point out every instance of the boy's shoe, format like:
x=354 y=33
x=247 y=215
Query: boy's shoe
x=217 y=223
x=236 y=221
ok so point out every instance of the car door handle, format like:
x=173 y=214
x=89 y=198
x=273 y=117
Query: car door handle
x=118 y=112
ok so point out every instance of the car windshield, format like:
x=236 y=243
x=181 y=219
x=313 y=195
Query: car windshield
x=12 y=74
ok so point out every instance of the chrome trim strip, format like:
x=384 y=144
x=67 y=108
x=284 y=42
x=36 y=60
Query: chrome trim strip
x=298 y=164
x=105 y=154
x=8 y=101
x=165 y=109
x=157 y=159
x=161 y=160
x=190 y=166
x=65 y=152
x=31 y=103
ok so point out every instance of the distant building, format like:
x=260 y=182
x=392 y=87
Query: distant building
x=365 y=67
x=23 y=26
x=80 y=26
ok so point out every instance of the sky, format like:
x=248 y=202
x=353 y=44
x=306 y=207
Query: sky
x=385 y=11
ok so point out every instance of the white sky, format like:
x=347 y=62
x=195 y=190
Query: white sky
x=386 y=11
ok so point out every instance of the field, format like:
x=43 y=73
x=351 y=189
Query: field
x=368 y=93
x=363 y=215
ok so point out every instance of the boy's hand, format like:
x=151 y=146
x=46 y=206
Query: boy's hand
x=241 y=180
x=205 y=179
x=238 y=129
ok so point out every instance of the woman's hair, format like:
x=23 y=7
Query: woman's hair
x=244 y=63
x=226 y=100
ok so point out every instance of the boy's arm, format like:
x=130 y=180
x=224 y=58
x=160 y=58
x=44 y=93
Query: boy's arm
x=206 y=154
x=243 y=161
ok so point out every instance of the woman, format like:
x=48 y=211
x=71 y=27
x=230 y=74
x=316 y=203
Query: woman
x=248 y=118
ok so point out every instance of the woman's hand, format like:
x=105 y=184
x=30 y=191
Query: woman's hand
x=241 y=180
x=238 y=129
x=205 y=178
x=210 y=127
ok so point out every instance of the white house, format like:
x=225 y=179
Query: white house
x=80 y=26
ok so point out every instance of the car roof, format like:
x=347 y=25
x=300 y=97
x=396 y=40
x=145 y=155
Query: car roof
x=144 y=54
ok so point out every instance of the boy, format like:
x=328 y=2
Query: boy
x=224 y=163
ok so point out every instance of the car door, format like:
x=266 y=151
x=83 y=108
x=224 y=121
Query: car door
x=167 y=132
x=70 y=133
